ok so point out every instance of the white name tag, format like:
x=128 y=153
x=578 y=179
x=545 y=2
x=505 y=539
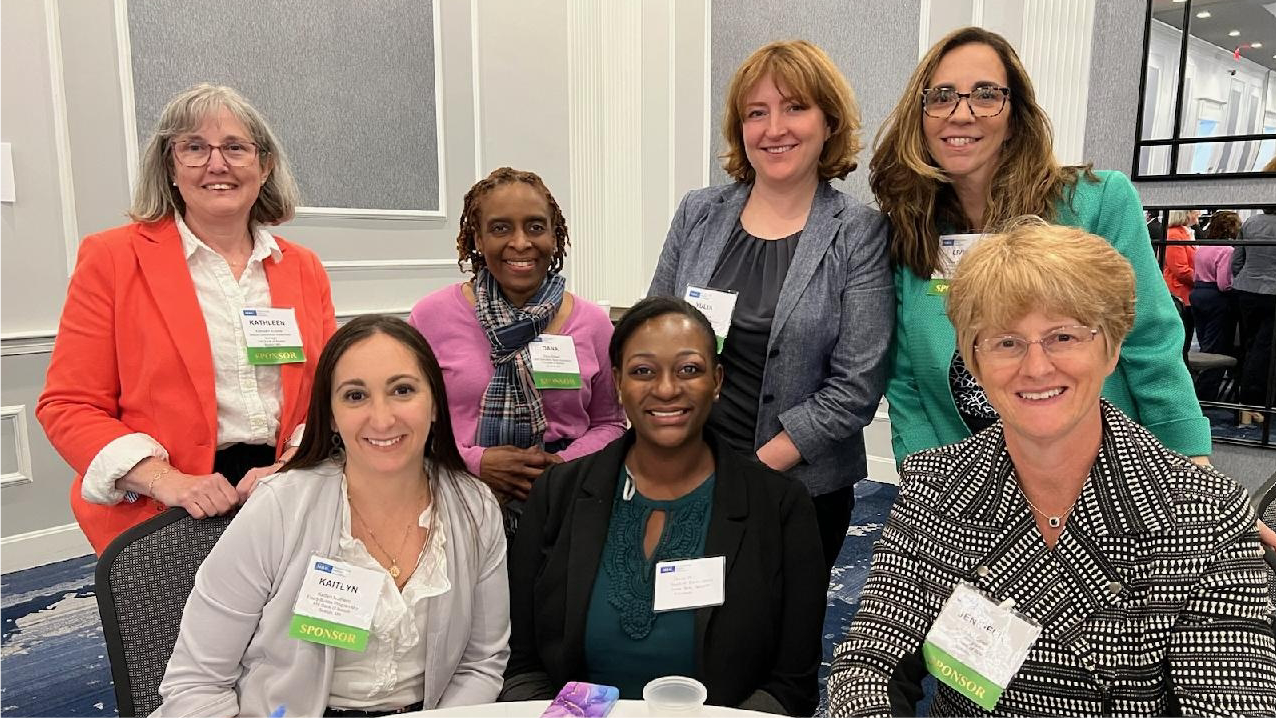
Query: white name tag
x=976 y=645
x=715 y=304
x=554 y=363
x=690 y=583
x=335 y=604
x=273 y=336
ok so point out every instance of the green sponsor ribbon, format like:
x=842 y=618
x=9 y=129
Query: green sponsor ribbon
x=275 y=355
x=960 y=677
x=938 y=287
x=317 y=630
x=556 y=380
x=721 y=341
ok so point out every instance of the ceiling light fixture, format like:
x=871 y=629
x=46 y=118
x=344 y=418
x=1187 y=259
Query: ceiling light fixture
x=1256 y=45
x=1203 y=14
x=1234 y=33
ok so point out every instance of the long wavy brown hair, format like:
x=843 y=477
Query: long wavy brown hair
x=917 y=194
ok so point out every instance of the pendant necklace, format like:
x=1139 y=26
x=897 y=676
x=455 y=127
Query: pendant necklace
x=393 y=569
x=1054 y=521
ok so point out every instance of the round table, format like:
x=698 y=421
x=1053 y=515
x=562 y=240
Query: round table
x=533 y=709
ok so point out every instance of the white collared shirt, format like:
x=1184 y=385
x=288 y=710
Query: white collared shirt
x=249 y=398
x=390 y=673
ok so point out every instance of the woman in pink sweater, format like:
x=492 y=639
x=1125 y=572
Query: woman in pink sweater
x=509 y=419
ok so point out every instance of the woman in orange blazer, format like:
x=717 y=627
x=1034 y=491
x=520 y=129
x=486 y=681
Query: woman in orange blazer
x=151 y=395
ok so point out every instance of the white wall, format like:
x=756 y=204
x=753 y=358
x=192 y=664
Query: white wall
x=528 y=83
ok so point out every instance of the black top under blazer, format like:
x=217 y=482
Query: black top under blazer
x=826 y=359
x=760 y=650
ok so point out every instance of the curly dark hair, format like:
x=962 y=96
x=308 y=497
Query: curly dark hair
x=467 y=247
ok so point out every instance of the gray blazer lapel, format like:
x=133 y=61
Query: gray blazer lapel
x=718 y=226
x=817 y=235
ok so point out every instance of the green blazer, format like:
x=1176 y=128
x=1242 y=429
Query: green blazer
x=1150 y=383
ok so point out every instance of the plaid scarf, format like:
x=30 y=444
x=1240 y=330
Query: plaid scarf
x=512 y=412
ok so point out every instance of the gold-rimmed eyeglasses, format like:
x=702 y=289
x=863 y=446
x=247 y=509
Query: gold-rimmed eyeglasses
x=986 y=101
x=196 y=153
x=1056 y=342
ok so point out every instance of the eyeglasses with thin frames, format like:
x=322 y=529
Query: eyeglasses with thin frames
x=196 y=153
x=986 y=101
x=1056 y=343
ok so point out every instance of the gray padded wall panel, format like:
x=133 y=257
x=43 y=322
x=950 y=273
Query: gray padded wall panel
x=347 y=86
x=874 y=42
x=1116 y=60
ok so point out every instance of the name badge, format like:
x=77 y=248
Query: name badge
x=976 y=645
x=272 y=336
x=335 y=604
x=715 y=304
x=690 y=583
x=952 y=247
x=554 y=363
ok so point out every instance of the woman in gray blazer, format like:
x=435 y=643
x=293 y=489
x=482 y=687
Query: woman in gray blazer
x=808 y=267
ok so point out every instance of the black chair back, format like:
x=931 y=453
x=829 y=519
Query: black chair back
x=143 y=580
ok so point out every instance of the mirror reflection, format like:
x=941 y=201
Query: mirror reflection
x=1229 y=86
x=1220 y=267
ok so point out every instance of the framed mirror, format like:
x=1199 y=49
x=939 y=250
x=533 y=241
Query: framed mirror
x=1215 y=261
x=1208 y=90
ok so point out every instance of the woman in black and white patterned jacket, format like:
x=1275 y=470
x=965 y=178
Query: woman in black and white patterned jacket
x=1142 y=570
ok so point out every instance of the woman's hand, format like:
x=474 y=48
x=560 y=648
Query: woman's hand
x=510 y=470
x=1266 y=535
x=246 y=485
x=202 y=496
x=780 y=453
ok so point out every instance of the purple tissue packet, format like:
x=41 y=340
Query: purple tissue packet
x=582 y=699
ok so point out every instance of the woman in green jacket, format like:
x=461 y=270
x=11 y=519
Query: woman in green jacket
x=966 y=149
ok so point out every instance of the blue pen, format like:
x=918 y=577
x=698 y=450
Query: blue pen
x=278 y=712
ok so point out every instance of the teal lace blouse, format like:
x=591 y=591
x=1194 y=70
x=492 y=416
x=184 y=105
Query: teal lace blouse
x=626 y=643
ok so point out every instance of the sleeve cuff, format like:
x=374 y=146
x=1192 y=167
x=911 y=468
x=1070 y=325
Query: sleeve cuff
x=114 y=461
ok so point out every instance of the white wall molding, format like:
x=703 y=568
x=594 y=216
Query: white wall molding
x=21 y=343
x=133 y=150
x=380 y=265
x=1057 y=37
x=37 y=548
x=708 y=90
x=480 y=168
x=17 y=415
x=61 y=135
x=923 y=29
x=605 y=71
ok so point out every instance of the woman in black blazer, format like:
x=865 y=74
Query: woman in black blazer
x=583 y=565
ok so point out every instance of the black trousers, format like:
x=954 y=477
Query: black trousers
x=1258 y=314
x=833 y=515
x=1214 y=313
x=235 y=460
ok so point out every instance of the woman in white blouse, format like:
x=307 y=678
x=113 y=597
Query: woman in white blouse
x=376 y=498
x=155 y=395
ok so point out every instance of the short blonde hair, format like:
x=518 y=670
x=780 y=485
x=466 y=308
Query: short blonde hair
x=1033 y=266
x=809 y=75
x=155 y=197
x=1181 y=217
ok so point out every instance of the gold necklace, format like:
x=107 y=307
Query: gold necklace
x=394 y=559
x=1054 y=521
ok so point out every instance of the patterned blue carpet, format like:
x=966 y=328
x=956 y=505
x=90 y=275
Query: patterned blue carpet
x=54 y=661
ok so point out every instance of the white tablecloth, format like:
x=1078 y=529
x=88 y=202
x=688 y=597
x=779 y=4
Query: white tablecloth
x=533 y=709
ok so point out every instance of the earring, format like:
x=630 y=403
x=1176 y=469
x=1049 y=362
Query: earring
x=174 y=183
x=338 y=451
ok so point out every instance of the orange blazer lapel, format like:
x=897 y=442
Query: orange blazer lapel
x=284 y=278
x=164 y=269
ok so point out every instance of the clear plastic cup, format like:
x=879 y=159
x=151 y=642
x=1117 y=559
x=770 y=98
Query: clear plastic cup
x=671 y=694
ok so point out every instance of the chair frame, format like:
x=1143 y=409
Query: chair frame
x=108 y=610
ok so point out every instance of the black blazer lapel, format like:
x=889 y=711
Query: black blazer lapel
x=726 y=527
x=591 y=514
